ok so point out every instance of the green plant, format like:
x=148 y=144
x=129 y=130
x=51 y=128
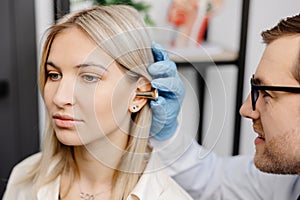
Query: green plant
x=139 y=6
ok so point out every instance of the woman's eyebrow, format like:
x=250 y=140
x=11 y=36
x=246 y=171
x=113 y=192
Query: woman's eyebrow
x=78 y=66
x=52 y=65
x=91 y=65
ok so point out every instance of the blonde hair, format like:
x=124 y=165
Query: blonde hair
x=120 y=31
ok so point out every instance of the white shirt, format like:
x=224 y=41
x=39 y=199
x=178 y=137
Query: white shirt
x=208 y=177
x=154 y=184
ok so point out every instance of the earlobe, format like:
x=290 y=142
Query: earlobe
x=134 y=108
x=138 y=102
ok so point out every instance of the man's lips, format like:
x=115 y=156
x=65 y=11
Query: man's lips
x=260 y=138
x=259 y=133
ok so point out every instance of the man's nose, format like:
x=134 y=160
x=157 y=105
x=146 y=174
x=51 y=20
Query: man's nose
x=247 y=111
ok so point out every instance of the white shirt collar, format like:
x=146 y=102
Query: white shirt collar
x=152 y=183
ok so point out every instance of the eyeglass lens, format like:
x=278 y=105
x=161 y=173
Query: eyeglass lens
x=254 y=94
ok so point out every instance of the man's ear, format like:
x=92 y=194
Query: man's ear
x=143 y=85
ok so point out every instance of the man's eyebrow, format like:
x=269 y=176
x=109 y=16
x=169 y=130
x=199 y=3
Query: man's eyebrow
x=257 y=81
x=262 y=82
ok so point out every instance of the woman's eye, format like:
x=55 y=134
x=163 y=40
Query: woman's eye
x=54 y=76
x=90 y=78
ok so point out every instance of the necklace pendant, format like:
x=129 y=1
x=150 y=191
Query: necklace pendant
x=87 y=196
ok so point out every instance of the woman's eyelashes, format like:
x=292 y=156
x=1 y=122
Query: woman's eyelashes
x=91 y=73
x=53 y=76
x=85 y=77
x=90 y=78
x=85 y=73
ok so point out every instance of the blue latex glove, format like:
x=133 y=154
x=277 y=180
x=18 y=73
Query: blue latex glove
x=171 y=93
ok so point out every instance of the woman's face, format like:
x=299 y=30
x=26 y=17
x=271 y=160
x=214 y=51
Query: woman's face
x=86 y=94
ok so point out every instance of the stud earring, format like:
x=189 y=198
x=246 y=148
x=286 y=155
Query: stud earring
x=134 y=108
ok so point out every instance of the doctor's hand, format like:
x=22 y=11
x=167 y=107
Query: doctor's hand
x=171 y=92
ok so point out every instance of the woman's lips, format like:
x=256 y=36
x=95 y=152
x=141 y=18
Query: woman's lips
x=64 y=121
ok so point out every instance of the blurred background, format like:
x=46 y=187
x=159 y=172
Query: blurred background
x=215 y=43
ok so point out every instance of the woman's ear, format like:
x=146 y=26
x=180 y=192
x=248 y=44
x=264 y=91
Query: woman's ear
x=143 y=85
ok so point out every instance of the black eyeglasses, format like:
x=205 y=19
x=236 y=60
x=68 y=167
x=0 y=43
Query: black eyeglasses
x=255 y=90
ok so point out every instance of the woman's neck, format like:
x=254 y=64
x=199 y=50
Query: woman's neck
x=90 y=169
x=97 y=161
x=96 y=164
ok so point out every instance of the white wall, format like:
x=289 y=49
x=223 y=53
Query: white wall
x=219 y=107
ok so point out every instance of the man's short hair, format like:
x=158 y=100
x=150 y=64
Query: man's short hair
x=286 y=27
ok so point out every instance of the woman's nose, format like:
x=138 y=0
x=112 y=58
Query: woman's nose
x=64 y=95
x=247 y=111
